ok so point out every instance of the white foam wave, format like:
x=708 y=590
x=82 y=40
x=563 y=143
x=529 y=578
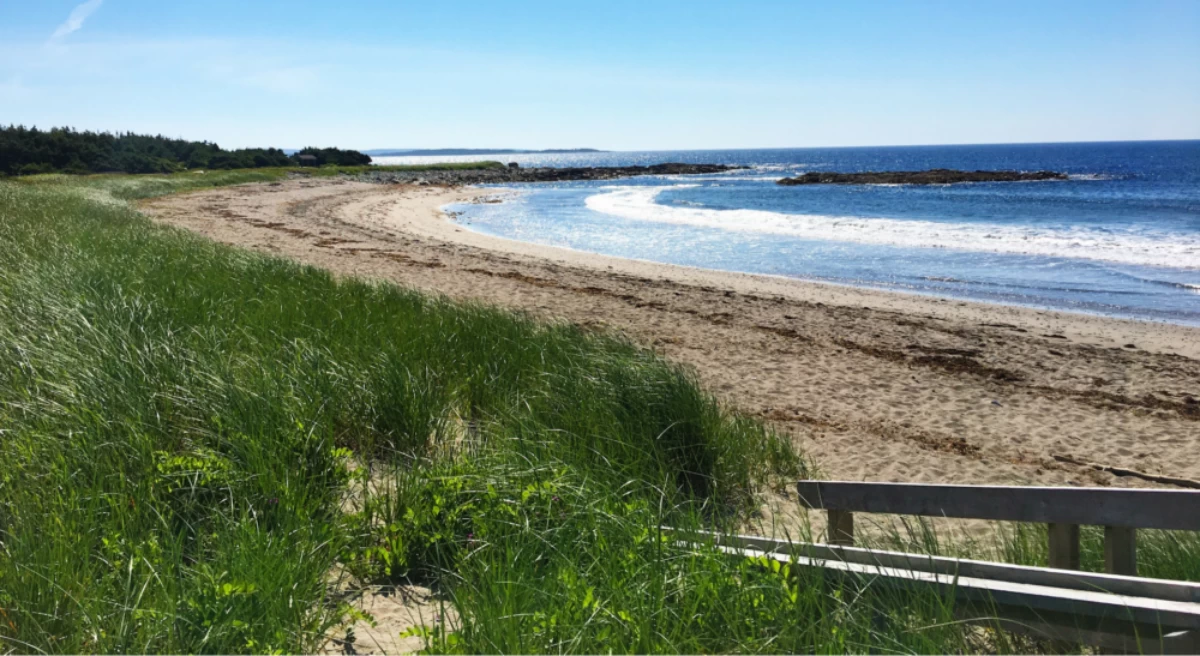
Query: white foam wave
x=1176 y=250
x=780 y=167
x=723 y=177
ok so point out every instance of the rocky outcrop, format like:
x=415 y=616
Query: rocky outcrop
x=932 y=176
x=506 y=174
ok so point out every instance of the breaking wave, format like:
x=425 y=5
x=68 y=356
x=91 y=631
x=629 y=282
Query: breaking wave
x=1165 y=250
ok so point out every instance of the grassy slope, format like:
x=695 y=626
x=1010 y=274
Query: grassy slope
x=133 y=187
x=173 y=412
x=178 y=419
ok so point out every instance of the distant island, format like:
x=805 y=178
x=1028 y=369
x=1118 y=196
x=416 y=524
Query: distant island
x=419 y=152
x=932 y=176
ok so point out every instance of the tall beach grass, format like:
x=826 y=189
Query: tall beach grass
x=180 y=419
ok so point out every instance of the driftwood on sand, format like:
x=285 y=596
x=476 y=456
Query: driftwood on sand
x=1120 y=471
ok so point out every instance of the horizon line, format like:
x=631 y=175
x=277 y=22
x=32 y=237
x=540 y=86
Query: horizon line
x=534 y=151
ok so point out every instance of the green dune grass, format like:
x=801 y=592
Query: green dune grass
x=135 y=187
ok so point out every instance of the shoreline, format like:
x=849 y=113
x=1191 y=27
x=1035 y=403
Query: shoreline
x=452 y=218
x=1166 y=340
x=1164 y=296
x=870 y=384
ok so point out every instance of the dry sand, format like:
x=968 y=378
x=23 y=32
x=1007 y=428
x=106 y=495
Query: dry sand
x=872 y=385
x=395 y=610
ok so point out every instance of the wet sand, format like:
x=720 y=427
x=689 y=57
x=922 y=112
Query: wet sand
x=871 y=385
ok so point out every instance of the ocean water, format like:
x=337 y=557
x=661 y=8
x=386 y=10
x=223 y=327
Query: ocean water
x=1121 y=237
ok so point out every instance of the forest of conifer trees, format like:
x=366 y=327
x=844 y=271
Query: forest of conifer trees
x=27 y=151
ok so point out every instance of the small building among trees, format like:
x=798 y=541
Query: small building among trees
x=307 y=160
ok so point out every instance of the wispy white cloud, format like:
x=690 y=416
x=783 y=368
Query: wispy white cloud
x=75 y=21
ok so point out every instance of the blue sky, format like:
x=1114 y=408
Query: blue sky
x=613 y=74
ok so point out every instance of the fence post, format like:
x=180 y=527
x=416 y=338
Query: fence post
x=841 y=528
x=1064 y=545
x=1120 y=550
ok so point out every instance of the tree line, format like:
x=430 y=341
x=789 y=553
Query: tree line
x=26 y=151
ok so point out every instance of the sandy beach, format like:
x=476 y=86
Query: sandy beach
x=871 y=385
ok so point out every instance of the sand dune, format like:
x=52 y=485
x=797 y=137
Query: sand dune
x=871 y=385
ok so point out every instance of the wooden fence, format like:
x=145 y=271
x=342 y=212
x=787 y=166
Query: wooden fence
x=1115 y=610
x=1064 y=509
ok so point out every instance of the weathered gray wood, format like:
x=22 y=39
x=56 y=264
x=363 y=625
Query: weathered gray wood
x=1074 y=580
x=1131 y=508
x=1064 y=545
x=1122 y=613
x=1101 y=609
x=1120 y=550
x=841 y=527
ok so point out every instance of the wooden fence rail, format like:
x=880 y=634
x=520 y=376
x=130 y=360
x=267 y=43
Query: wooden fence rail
x=1116 y=610
x=1064 y=509
x=1118 y=613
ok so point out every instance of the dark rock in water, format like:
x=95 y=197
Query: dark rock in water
x=932 y=176
x=514 y=165
x=514 y=173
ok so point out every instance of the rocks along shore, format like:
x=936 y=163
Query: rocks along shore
x=510 y=174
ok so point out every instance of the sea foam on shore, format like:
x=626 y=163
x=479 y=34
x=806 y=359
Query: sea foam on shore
x=1125 y=247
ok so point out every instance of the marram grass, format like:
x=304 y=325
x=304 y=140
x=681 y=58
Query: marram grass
x=179 y=419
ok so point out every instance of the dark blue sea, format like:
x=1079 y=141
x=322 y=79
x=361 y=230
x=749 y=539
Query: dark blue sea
x=1121 y=237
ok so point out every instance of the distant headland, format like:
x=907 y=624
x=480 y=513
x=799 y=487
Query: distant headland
x=420 y=152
